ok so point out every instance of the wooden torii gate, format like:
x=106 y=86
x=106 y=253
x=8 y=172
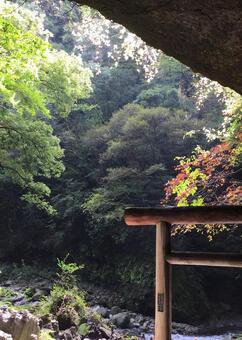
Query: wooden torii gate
x=162 y=218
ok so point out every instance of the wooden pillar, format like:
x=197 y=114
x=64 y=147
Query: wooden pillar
x=163 y=284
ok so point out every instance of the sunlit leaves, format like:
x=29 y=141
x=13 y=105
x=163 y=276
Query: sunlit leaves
x=64 y=81
x=106 y=41
x=25 y=19
x=204 y=177
x=35 y=81
x=22 y=55
x=211 y=177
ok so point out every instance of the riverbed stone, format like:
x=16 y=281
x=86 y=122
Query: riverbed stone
x=17 y=298
x=115 y=310
x=121 y=320
x=21 y=302
x=185 y=329
x=5 y=336
x=103 y=311
x=21 y=325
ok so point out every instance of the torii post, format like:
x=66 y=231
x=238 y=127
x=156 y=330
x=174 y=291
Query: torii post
x=162 y=218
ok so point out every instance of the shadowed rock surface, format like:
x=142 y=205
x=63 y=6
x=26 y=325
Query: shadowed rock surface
x=19 y=325
x=203 y=34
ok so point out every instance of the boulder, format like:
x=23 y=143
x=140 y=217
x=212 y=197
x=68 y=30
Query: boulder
x=121 y=320
x=115 y=310
x=185 y=329
x=103 y=311
x=69 y=334
x=21 y=302
x=17 y=299
x=5 y=336
x=20 y=325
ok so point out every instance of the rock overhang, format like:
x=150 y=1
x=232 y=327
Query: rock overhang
x=206 y=35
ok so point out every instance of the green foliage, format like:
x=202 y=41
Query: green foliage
x=115 y=154
x=65 y=301
x=64 y=82
x=172 y=71
x=46 y=335
x=188 y=187
x=171 y=88
x=6 y=303
x=159 y=96
x=67 y=306
x=33 y=77
x=136 y=158
x=115 y=87
x=22 y=56
x=207 y=176
x=192 y=302
x=67 y=273
x=24 y=272
x=6 y=293
x=234 y=116
x=30 y=151
x=84 y=329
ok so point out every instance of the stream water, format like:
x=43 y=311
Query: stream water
x=214 y=337
x=184 y=337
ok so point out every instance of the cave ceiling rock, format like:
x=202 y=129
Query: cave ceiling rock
x=206 y=35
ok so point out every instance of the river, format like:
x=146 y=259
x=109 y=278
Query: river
x=184 y=337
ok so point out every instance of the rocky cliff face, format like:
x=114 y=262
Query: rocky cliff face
x=203 y=34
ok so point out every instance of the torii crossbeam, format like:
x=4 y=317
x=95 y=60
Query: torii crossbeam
x=162 y=218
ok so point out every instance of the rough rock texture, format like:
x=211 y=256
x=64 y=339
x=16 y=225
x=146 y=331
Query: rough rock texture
x=203 y=34
x=5 y=336
x=121 y=320
x=20 y=325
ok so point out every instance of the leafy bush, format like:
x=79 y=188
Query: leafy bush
x=6 y=293
x=67 y=306
x=46 y=335
x=83 y=329
x=24 y=271
x=66 y=276
x=65 y=301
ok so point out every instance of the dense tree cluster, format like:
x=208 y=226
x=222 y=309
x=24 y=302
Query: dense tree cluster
x=36 y=82
x=85 y=132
